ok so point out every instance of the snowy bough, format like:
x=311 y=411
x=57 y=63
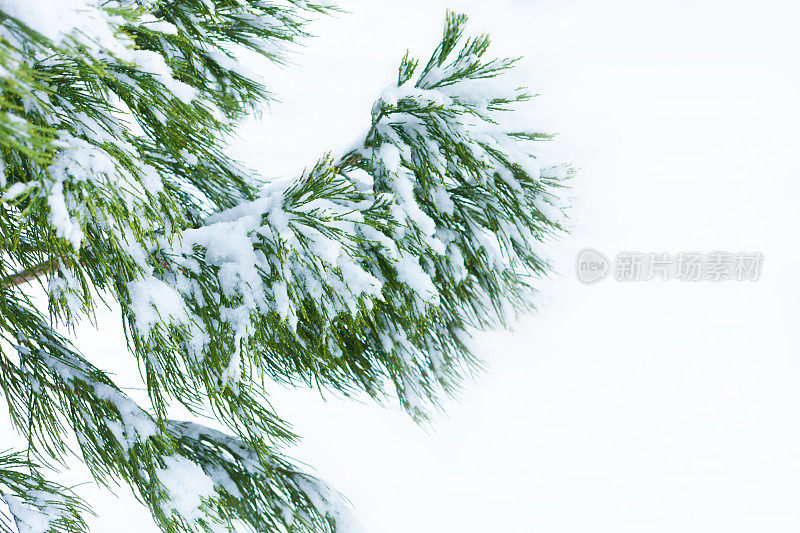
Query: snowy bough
x=366 y=274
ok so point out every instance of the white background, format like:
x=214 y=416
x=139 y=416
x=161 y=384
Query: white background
x=657 y=406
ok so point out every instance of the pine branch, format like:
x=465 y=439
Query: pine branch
x=367 y=273
x=34 y=503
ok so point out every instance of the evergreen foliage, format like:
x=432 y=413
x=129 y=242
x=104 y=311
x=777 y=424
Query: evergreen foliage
x=366 y=274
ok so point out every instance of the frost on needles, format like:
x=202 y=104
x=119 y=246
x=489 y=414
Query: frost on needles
x=367 y=273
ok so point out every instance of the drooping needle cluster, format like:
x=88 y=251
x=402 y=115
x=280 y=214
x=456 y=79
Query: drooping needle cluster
x=365 y=274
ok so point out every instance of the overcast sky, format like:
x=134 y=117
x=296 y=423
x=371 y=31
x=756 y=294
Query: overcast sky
x=653 y=406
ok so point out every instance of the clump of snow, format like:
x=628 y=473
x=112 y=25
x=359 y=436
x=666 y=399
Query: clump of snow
x=67 y=226
x=137 y=426
x=187 y=487
x=57 y=20
x=153 y=300
x=151 y=180
x=17 y=189
x=30 y=518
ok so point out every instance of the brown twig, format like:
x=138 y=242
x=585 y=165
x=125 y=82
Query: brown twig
x=24 y=276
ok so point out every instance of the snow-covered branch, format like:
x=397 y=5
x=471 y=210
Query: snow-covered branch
x=368 y=272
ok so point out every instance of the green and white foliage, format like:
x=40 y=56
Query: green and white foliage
x=34 y=503
x=367 y=273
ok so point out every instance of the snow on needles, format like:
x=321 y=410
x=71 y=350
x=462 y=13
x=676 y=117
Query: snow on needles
x=187 y=487
x=37 y=514
x=466 y=200
x=313 y=244
x=57 y=20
